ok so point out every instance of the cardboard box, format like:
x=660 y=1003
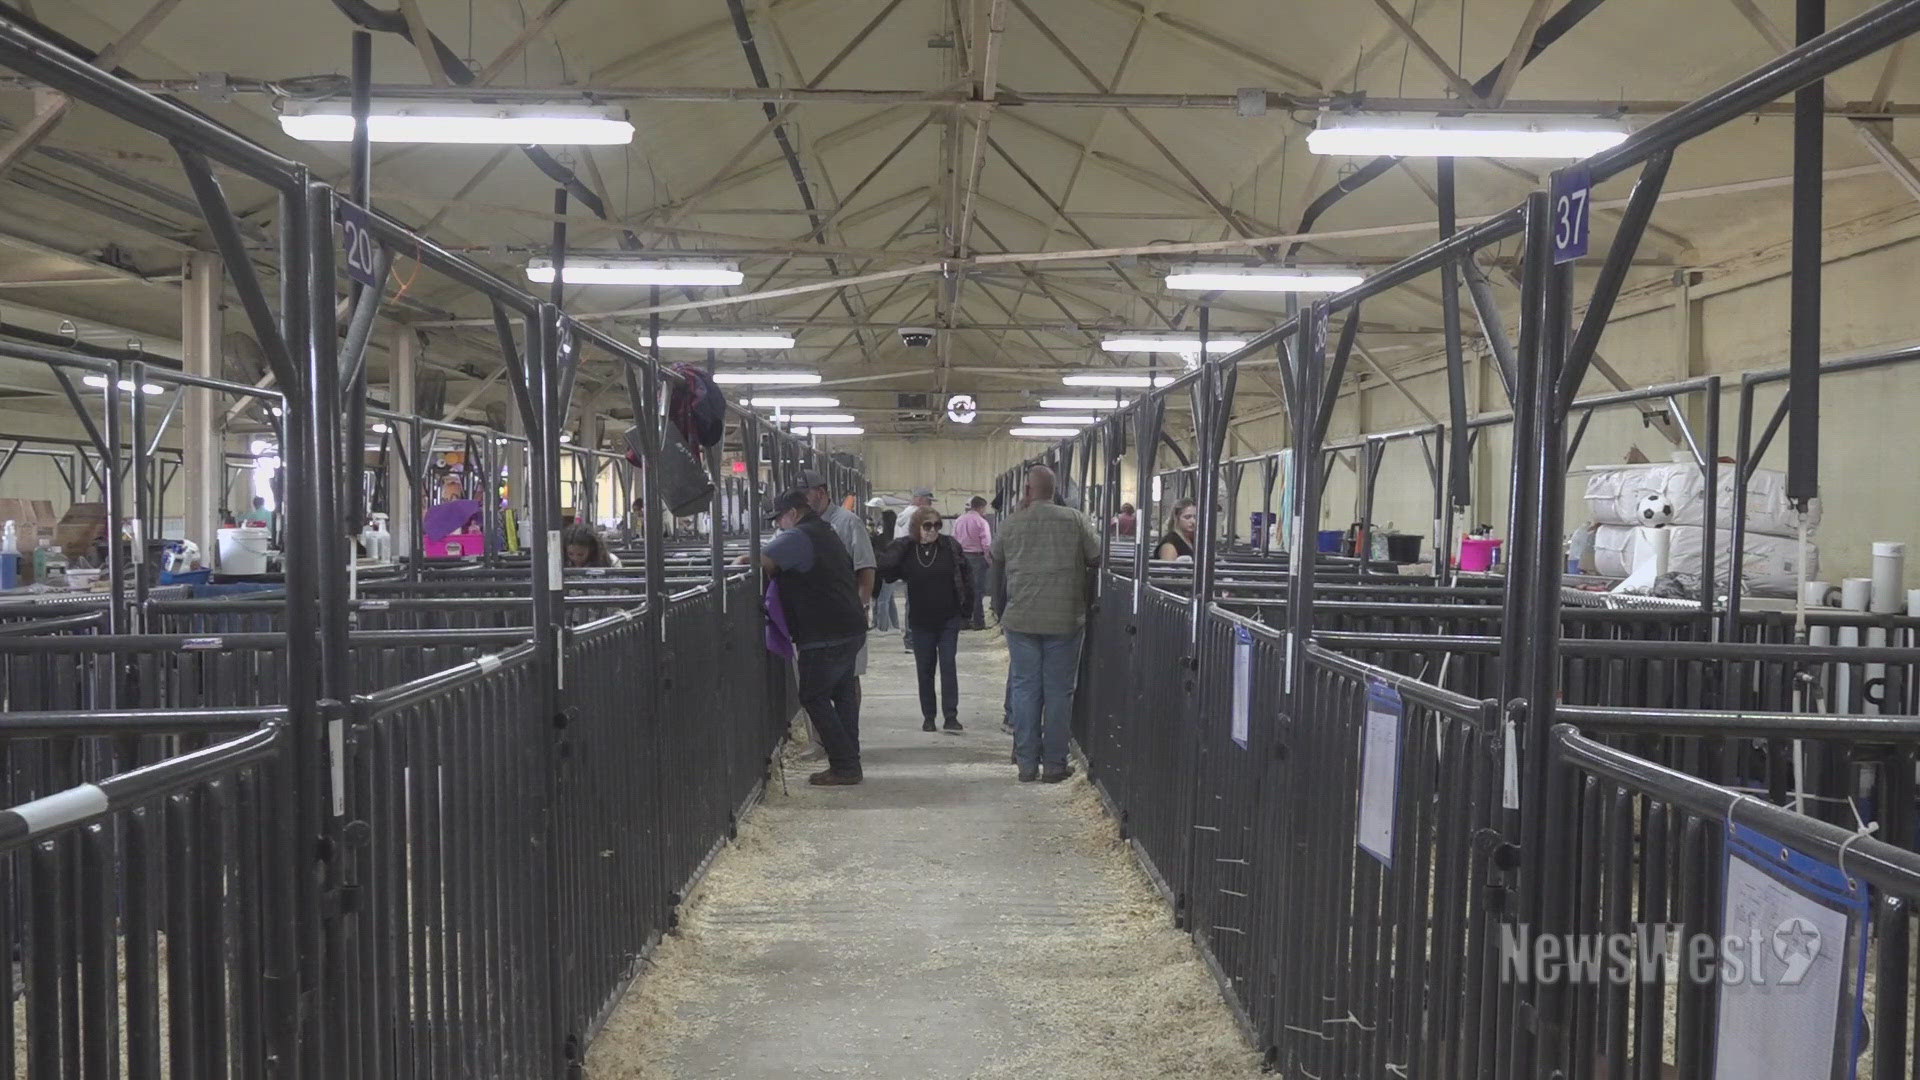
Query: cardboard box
x=83 y=524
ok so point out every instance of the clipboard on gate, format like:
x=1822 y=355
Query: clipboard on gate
x=1795 y=1007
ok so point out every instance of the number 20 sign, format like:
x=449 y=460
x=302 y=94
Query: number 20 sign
x=1571 y=197
x=357 y=242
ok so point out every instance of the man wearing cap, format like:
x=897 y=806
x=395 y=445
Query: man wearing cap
x=853 y=536
x=828 y=624
x=904 y=527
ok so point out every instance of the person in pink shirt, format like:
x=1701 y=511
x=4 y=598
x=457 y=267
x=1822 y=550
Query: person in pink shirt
x=976 y=542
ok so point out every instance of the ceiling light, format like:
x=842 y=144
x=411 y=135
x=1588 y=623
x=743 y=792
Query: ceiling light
x=1164 y=344
x=636 y=272
x=100 y=381
x=831 y=430
x=380 y=429
x=766 y=378
x=1079 y=404
x=1116 y=379
x=820 y=418
x=566 y=436
x=1059 y=420
x=1263 y=279
x=1044 y=432
x=459 y=122
x=738 y=339
x=794 y=402
x=1463 y=136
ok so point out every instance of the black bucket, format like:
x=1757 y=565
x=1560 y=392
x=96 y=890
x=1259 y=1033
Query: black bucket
x=1403 y=547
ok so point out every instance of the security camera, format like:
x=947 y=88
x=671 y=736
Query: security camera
x=917 y=337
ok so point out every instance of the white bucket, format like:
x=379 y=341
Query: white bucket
x=244 y=551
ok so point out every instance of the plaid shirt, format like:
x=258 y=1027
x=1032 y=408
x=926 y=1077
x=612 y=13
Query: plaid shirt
x=1040 y=560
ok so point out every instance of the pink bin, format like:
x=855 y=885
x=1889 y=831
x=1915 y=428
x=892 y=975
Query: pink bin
x=1478 y=553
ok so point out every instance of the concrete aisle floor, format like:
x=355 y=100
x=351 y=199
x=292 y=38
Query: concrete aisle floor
x=938 y=921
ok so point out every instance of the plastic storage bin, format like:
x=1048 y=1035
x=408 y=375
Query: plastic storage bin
x=1479 y=552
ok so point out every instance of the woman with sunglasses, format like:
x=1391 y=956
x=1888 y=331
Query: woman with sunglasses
x=939 y=596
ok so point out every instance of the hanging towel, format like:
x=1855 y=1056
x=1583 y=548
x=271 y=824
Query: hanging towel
x=779 y=640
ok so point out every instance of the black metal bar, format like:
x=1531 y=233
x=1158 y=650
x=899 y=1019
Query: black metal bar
x=1613 y=274
x=86 y=417
x=62 y=70
x=1804 y=279
x=237 y=258
x=1337 y=373
x=1487 y=310
x=1579 y=434
x=1710 y=524
x=1462 y=478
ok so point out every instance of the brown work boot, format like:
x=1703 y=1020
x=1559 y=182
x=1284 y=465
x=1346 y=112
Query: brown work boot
x=829 y=778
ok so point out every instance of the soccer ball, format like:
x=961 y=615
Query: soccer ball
x=1655 y=511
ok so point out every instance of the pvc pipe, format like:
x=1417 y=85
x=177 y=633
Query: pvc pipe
x=1855 y=595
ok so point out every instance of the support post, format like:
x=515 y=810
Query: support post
x=403 y=499
x=202 y=431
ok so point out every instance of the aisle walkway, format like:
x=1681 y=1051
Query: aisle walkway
x=938 y=921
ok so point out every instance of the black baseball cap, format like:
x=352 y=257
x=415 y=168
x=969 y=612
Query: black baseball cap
x=809 y=479
x=790 y=499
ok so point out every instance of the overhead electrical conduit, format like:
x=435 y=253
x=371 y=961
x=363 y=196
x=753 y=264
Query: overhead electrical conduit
x=1550 y=31
x=368 y=17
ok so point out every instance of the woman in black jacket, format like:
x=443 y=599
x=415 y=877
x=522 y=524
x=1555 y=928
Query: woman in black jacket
x=939 y=595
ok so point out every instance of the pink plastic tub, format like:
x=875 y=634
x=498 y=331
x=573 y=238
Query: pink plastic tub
x=1478 y=553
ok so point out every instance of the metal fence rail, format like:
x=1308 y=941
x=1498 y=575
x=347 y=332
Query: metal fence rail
x=141 y=907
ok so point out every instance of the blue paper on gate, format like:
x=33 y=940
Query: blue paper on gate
x=1379 y=770
x=1793 y=962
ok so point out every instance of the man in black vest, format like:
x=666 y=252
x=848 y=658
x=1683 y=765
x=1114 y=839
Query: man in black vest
x=828 y=625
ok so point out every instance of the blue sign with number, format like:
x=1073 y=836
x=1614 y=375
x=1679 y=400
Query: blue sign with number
x=358 y=244
x=1571 y=205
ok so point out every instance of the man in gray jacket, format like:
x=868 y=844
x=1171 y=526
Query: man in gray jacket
x=1040 y=561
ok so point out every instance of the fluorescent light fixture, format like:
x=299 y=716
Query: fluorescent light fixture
x=1044 y=432
x=459 y=122
x=1059 y=420
x=100 y=382
x=749 y=339
x=1116 y=379
x=1464 y=136
x=766 y=378
x=1079 y=404
x=821 y=418
x=830 y=430
x=1263 y=279
x=637 y=272
x=1164 y=344
x=794 y=402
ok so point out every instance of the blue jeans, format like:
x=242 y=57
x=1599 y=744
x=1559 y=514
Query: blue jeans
x=1044 y=668
x=943 y=646
x=830 y=692
x=883 y=612
x=978 y=566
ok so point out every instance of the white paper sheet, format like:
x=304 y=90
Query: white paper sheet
x=1379 y=772
x=1775 y=1029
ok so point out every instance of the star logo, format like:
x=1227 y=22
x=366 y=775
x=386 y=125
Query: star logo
x=1796 y=942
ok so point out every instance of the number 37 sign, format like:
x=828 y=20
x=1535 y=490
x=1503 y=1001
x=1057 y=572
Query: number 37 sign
x=1572 y=197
